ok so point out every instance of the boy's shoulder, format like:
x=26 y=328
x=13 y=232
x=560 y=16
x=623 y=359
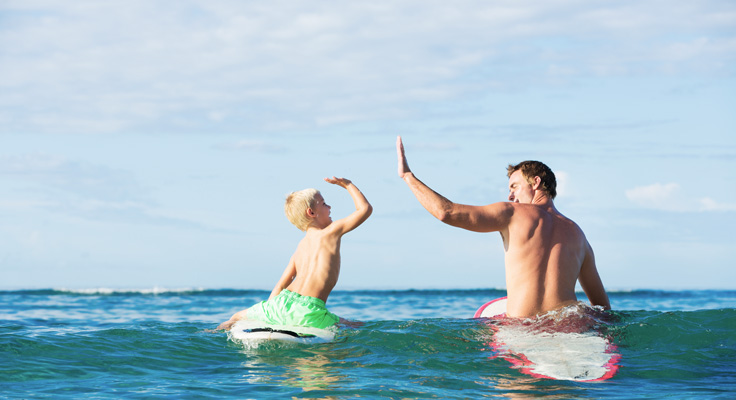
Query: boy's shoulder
x=312 y=239
x=316 y=233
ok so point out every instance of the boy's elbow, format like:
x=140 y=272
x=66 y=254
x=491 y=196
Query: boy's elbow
x=368 y=210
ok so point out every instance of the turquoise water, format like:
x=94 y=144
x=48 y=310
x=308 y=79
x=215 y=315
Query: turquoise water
x=414 y=344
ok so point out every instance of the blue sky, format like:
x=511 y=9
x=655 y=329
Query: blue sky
x=151 y=143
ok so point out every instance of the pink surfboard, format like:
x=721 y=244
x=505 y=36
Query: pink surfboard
x=544 y=353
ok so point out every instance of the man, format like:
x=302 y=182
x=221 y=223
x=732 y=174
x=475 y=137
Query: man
x=546 y=253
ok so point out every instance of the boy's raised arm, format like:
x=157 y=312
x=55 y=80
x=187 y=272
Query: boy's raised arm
x=363 y=208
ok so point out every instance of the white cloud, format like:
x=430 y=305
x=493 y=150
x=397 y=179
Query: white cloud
x=563 y=180
x=708 y=204
x=670 y=197
x=141 y=65
x=259 y=146
x=658 y=196
x=97 y=193
x=60 y=178
x=434 y=146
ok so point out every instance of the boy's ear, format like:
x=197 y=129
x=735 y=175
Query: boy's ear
x=310 y=213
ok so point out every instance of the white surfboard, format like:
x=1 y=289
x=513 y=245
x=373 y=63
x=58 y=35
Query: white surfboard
x=252 y=332
x=545 y=353
x=493 y=309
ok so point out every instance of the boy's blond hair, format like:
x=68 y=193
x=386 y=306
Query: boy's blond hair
x=296 y=207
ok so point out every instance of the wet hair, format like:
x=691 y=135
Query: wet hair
x=530 y=169
x=296 y=207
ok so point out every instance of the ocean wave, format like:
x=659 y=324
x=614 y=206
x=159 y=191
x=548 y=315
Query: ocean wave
x=674 y=297
x=105 y=291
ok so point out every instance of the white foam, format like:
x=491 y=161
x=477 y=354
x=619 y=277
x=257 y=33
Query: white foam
x=108 y=291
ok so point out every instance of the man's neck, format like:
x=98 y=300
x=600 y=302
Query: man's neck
x=542 y=200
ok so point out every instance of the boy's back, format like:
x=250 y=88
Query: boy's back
x=317 y=264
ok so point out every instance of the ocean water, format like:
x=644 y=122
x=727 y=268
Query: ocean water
x=414 y=344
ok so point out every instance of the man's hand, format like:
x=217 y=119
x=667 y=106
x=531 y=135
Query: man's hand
x=403 y=164
x=338 y=181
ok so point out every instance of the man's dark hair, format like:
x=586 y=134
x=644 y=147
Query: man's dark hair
x=530 y=169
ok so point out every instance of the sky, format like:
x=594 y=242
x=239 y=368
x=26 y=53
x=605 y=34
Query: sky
x=152 y=143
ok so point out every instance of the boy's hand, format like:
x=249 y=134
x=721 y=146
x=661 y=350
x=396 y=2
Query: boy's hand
x=338 y=181
x=403 y=164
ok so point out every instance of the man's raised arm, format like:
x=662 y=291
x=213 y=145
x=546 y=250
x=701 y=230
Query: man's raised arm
x=490 y=218
x=435 y=203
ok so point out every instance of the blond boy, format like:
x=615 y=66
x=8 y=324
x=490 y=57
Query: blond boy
x=299 y=297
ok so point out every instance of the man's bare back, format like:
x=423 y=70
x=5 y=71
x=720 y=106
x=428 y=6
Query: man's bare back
x=546 y=253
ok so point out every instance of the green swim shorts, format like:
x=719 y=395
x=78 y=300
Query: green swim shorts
x=290 y=308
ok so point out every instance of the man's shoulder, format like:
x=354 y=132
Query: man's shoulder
x=536 y=212
x=531 y=210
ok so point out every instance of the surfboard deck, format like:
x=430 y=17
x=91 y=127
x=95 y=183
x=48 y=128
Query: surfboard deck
x=493 y=309
x=575 y=356
x=252 y=332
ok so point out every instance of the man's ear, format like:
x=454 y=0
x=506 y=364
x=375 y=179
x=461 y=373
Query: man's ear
x=537 y=183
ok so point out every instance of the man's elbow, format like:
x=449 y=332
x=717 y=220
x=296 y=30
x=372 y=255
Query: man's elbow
x=445 y=213
x=444 y=216
x=450 y=217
